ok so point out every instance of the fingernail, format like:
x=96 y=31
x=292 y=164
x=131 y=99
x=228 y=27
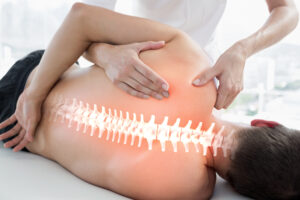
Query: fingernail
x=165 y=94
x=146 y=96
x=165 y=87
x=158 y=96
x=197 y=82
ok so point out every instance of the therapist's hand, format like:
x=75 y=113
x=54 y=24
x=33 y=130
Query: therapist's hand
x=124 y=68
x=27 y=116
x=229 y=71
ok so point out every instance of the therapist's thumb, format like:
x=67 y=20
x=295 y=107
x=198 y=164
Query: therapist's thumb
x=205 y=76
x=149 y=45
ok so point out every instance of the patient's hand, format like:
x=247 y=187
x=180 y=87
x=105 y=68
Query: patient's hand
x=27 y=116
x=124 y=68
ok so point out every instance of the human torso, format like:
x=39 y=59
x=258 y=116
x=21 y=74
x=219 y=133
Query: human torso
x=130 y=170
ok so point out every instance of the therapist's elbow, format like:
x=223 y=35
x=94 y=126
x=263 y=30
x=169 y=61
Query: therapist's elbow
x=292 y=16
x=78 y=10
x=295 y=17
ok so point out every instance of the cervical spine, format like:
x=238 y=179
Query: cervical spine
x=116 y=126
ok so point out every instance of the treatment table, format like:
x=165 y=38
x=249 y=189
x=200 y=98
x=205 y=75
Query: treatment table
x=26 y=176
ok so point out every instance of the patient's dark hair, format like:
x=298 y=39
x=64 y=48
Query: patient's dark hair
x=266 y=163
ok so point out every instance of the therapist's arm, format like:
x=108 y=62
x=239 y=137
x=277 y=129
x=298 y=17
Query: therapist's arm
x=230 y=66
x=83 y=26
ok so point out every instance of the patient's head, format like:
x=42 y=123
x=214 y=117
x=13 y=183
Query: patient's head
x=266 y=163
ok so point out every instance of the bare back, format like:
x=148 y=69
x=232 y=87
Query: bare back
x=130 y=170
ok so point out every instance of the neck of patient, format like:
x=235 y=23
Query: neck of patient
x=220 y=162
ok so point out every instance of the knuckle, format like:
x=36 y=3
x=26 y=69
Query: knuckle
x=229 y=88
x=234 y=89
x=237 y=89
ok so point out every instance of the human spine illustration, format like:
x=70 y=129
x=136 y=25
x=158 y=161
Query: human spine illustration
x=76 y=112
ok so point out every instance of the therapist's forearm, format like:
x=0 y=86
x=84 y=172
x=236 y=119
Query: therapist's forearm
x=83 y=26
x=91 y=54
x=282 y=21
x=64 y=49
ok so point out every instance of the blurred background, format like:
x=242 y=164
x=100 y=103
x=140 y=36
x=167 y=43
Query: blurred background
x=271 y=78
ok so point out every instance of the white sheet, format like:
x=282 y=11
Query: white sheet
x=28 y=176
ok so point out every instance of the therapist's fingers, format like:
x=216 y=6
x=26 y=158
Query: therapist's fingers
x=158 y=81
x=138 y=86
x=149 y=45
x=222 y=96
x=221 y=99
x=206 y=76
x=16 y=140
x=13 y=131
x=141 y=88
x=128 y=89
x=143 y=80
x=12 y=119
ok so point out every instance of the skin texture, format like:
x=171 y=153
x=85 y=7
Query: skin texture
x=124 y=68
x=131 y=171
x=78 y=32
x=72 y=39
x=100 y=163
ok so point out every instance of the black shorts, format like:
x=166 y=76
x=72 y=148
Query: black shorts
x=12 y=86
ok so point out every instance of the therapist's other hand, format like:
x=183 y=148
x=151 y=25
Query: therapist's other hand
x=124 y=68
x=26 y=117
x=229 y=71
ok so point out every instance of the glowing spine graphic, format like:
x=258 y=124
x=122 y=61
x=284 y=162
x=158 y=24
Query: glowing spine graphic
x=116 y=125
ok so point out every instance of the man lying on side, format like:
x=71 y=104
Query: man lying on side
x=262 y=160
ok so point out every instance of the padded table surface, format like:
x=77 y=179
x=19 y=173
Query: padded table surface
x=27 y=176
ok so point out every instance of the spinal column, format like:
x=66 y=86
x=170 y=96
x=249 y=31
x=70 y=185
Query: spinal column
x=117 y=127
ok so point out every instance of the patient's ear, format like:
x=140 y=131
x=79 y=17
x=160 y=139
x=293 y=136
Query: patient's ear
x=264 y=123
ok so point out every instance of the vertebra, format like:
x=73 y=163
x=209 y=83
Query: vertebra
x=126 y=127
